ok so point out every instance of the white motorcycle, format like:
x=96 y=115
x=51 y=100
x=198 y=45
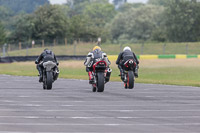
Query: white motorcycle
x=50 y=74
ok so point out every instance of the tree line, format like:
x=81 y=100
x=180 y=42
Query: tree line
x=158 y=20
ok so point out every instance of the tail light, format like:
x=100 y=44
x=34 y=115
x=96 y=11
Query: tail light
x=130 y=62
x=101 y=63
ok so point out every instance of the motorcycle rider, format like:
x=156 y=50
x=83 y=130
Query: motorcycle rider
x=123 y=57
x=93 y=57
x=46 y=55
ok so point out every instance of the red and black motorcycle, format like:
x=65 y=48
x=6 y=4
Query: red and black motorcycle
x=101 y=74
x=129 y=78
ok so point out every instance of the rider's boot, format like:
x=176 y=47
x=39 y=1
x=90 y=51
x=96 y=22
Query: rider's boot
x=91 y=78
x=136 y=72
x=41 y=75
x=122 y=74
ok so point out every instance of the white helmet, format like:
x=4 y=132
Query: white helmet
x=127 y=48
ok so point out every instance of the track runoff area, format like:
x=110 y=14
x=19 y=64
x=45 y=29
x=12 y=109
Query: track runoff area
x=72 y=107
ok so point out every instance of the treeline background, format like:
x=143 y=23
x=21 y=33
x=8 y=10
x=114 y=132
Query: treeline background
x=117 y=23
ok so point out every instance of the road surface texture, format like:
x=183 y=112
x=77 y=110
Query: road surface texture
x=72 y=107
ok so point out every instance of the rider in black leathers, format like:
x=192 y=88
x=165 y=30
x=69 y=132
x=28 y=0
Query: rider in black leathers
x=123 y=57
x=92 y=58
x=46 y=55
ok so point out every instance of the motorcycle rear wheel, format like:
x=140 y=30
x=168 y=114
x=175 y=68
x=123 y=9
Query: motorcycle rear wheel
x=130 y=78
x=100 y=81
x=49 y=80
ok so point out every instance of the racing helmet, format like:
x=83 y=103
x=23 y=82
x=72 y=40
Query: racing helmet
x=46 y=49
x=96 y=47
x=127 y=48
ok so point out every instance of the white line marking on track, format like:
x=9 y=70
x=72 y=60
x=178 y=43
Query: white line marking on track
x=63 y=117
x=110 y=124
x=90 y=132
x=69 y=105
x=10 y=101
x=156 y=110
x=88 y=101
x=100 y=96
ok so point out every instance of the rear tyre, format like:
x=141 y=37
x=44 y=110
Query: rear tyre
x=100 y=81
x=49 y=80
x=130 y=79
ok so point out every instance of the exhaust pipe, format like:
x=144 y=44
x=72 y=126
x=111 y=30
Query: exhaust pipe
x=56 y=74
x=107 y=79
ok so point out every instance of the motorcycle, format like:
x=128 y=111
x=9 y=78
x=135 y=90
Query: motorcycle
x=129 y=77
x=101 y=76
x=50 y=74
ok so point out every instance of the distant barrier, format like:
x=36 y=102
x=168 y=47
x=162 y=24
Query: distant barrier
x=33 y=58
x=177 y=56
x=82 y=57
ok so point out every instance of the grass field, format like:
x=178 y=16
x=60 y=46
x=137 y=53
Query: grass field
x=158 y=71
x=114 y=49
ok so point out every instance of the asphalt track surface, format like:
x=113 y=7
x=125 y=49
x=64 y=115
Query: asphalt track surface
x=71 y=107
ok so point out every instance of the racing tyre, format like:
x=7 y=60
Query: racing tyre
x=100 y=81
x=130 y=79
x=49 y=80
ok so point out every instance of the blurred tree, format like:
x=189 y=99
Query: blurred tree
x=73 y=3
x=50 y=22
x=159 y=2
x=81 y=28
x=23 y=28
x=2 y=34
x=76 y=2
x=77 y=6
x=136 y=24
x=128 y=6
x=47 y=22
x=27 y=6
x=99 y=14
x=5 y=13
x=182 y=21
x=119 y=3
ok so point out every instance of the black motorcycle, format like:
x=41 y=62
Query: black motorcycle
x=50 y=74
x=129 y=67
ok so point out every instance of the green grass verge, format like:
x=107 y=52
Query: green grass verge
x=114 y=49
x=160 y=71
